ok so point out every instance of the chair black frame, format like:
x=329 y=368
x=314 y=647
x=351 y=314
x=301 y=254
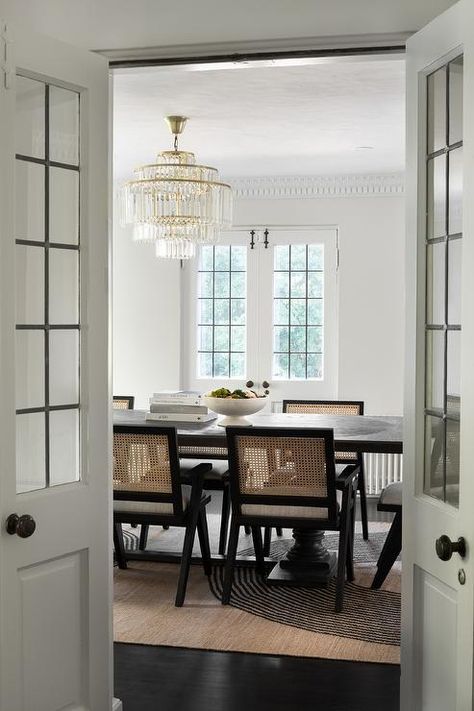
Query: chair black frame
x=392 y=546
x=360 y=459
x=191 y=518
x=337 y=520
x=129 y=398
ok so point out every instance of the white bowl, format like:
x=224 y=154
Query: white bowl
x=234 y=411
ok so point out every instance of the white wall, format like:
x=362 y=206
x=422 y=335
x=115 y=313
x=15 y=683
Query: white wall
x=371 y=299
x=146 y=326
x=371 y=287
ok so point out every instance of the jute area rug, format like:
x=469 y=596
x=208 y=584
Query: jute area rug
x=144 y=611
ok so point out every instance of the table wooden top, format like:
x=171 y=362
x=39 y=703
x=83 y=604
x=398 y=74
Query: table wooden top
x=361 y=433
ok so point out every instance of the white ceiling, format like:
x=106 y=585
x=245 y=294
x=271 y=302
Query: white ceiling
x=102 y=24
x=312 y=119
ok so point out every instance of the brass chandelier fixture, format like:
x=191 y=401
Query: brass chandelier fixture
x=176 y=203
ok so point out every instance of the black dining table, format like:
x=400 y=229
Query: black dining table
x=362 y=433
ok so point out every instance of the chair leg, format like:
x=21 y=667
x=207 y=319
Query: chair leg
x=390 y=551
x=143 y=536
x=225 y=513
x=350 y=544
x=267 y=539
x=279 y=531
x=186 y=557
x=119 y=546
x=203 y=534
x=247 y=530
x=363 y=502
x=230 y=562
x=258 y=547
x=344 y=534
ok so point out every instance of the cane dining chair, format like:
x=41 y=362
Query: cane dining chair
x=123 y=402
x=147 y=490
x=338 y=407
x=287 y=477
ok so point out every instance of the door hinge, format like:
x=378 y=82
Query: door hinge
x=6 y=55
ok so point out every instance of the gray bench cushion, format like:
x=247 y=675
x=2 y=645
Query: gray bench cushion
x=391 y=495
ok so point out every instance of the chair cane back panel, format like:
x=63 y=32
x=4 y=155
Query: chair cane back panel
x=123 y=402
x=196 y=452
x=142 y=463
x=327 y=408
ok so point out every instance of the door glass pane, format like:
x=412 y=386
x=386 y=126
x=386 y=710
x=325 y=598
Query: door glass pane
x=47 y=286
x=29 y=373
x=454 y=281
x=64 y=125
x=29 y=200
x=298 y=291
x=436 y=110
x=64 y=367
x=221 y=312
x=63 y=286
x=443 y=295
x=64 y=206
x=29 y=284
x=30 y=452
x=435 y=278
x=455 y=99
x=30 y=118
x=436 y=213
x=455 y=191
x=64 y=446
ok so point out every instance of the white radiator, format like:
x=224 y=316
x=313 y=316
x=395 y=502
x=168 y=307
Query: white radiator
x=380 y=470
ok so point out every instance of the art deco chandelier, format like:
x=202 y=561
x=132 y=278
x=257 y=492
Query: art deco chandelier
x=175 y=202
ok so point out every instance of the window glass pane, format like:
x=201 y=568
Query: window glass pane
x=29 y=201
x=455 y=99
x=298 y=339
x=281 y=339
x=221 y=365
x=238 y=338
x=205 y=338
x=29 y=357
x=221 y=338
x=315 y=285
x=206 y=284
x=29 y=117
x=435 y=344
x=315 y=311
x=206 y=259
x=237 y=365
x=64 y=446
x=298 y=256
x=238 y=258
x=222 y=285
x=63 y=286
x=221 y=311
x=237 y=307
x=316 y=256
x=205 y=311
x=455 y=191
x=298 y=311
x=315 y=340
x=63 y=367
x=298 y=284
x=64 y=125
x=282 y=257
x=435 y=286
x=454 y=281
x=222 y=258
x=281 y=363
x=29 y=285
x=434 y=457
x=281 y=309
x=63 y=206
x=436 y=217
x=237 y=286
x=297 y=366
x=205 y=365
x=281 y=285
x=30 y=452
x=436 y=110
x=315 y=365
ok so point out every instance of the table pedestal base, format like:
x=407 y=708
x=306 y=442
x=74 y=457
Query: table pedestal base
x=308 y=562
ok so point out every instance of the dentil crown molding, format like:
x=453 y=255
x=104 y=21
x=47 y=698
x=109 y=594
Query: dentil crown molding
x=335 y=186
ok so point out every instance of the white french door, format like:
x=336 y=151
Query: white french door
x=55 y=555
x=438 y=499
x=261 y=306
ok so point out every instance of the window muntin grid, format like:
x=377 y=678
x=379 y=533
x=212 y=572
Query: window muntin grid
x=47 y=285
x=298 y=312
x=443 y=281
x=222 y=303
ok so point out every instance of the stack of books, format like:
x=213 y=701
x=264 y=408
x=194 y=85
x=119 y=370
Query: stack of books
x=179 y=406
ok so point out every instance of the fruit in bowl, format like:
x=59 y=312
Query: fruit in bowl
x=235 y=405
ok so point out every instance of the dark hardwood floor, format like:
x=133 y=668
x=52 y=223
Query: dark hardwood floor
x=172 y=679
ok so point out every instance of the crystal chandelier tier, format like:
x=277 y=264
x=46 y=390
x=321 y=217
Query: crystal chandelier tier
x=175 y=202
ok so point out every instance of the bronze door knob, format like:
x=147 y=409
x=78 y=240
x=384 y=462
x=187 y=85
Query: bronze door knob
x=24 y=526
x=445 y=547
